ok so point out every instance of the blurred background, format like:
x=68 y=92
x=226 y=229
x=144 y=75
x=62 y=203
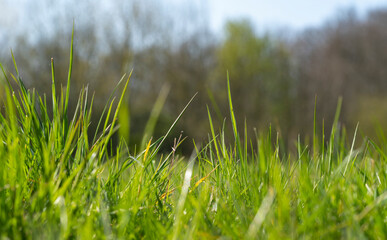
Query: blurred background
x=281 y=56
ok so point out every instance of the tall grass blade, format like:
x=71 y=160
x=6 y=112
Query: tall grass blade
x=261 y=215
x=233 y=120
x=70 y=71
x=172 y=126
x=155 y=113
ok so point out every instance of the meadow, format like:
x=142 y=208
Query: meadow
x=59 y=182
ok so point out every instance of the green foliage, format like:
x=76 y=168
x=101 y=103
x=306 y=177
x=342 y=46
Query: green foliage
x=260 y=72
x=56 y=183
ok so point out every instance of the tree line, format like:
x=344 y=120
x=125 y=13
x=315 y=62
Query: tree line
x=275 y=80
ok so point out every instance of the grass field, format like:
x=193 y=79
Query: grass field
x=58 y=182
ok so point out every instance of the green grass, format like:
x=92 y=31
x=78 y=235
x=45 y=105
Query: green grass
x=57 y=183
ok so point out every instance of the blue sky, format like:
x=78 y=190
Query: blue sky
x=265 y=14
x=295 y=14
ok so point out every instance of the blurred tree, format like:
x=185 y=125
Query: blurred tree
x=259 y=71
x=272 y=81
x=344 y=58
x=141 y=35
x=185 y=68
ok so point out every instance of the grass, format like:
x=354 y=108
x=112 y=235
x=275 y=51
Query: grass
x=57 y=183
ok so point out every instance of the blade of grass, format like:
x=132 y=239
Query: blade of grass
x=182 y=199
x=172 y=126
x=70 y=71
x=233 y=120
x=261 y=215
x=156 y=110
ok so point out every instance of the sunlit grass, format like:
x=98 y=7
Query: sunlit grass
x=57 y=183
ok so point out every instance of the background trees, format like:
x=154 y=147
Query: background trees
x=344 y=58
x=259 y=71
x=274 y=80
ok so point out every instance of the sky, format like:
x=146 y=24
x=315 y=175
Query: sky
x=294 y=14
x=264 y=14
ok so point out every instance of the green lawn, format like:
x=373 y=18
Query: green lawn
x=58 y=182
